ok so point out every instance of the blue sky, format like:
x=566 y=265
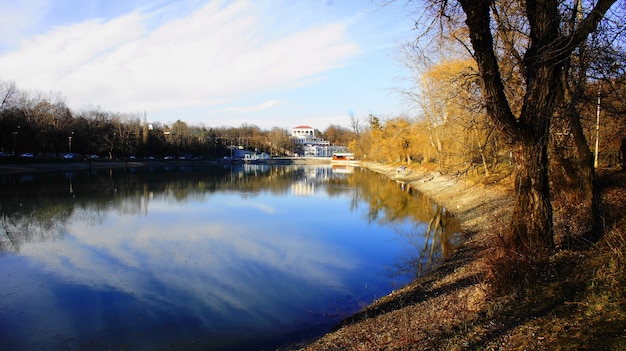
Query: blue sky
x=269 y=63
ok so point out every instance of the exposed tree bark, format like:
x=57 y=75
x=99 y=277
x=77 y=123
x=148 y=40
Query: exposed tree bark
x=532 y=212
x=573 y=177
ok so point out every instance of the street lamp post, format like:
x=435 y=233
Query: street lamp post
x=14 y=137
x=69 y=142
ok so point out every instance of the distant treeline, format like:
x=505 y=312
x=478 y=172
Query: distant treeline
x=43 y=125
x=453 y=132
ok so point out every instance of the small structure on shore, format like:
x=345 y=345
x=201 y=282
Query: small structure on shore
x=343 y=156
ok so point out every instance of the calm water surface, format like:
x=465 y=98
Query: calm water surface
x=247 y=257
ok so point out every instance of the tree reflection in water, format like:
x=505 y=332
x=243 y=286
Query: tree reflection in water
x=440 y=237
x=435 y=233
x=36 y=208
x=171 y=243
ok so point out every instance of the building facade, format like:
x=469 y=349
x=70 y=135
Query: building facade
x=308 y=145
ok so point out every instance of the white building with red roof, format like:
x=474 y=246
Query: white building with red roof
x=310 y=145
x=303 y=134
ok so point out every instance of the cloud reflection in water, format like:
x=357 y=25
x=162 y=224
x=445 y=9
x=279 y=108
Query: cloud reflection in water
x=221 y=268
x=230 y=267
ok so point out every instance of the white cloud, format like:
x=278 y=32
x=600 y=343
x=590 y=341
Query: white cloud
x=47 y=60
x=209 y=57
x=253 y=108
x=261 y=207
x=17 y=16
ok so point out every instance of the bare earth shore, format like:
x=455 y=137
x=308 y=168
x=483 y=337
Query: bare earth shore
x=475 y=205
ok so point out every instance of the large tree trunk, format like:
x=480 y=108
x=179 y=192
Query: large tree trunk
x=531 y=227
x=572 y=176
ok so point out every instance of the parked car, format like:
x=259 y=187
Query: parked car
x=68 y=156
x=27 y=155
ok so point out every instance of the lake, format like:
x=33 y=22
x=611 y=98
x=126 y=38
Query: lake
x=228 y=257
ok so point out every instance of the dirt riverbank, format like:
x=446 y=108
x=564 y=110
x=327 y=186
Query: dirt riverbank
x=477 y=206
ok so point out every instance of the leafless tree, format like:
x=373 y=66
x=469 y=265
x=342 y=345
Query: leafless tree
x=543 y=59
